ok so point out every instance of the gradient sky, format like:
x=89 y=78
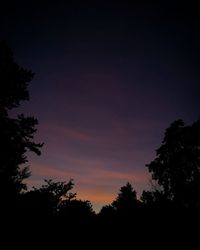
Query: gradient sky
x=109 y=78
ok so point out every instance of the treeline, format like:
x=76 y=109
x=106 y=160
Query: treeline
x=175 y=170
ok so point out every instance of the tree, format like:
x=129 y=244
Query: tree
x=155 y=199
x=107 y=212
x=76 y=209
x=126 y=201
x=55 y=199
x=177 y=165
x=16 y=134
x=48 y=199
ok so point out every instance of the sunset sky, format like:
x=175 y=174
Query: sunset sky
x=109 y=78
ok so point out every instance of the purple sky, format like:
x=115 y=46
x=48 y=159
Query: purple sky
x=109 y=80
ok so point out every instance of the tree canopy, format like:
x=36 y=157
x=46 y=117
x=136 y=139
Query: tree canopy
x=177 y=165
x=14 y=80
x=16 y=133
x=48 y=199
x=126 y=201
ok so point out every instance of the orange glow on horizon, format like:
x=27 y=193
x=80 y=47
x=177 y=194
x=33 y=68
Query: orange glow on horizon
x=100 y=186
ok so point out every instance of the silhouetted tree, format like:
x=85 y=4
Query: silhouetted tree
x=48 y=199
x=155 y=199
x=16 y=134
x=107 y=212
x=55 y=199
x=126 y=201
x=76 y=209
x=177 y=165
x=14 y=81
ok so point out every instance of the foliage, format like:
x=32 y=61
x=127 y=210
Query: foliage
x=177 y=165
x=107 y=211
x=16 y=134
x=14 y=81
x=76 y=209
x=46 y=200
x=126 y=201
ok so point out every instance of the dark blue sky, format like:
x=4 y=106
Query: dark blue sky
x=109 y=79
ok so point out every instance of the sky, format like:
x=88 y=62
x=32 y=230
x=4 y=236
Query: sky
x=109 y=79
